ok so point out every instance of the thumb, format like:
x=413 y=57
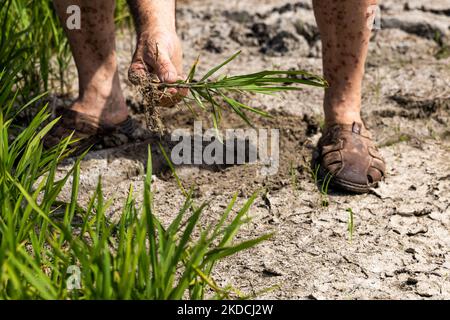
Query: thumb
x=164 y=68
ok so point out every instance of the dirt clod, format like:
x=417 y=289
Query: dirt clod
x=152 y=96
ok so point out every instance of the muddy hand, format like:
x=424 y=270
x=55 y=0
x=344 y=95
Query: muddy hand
x=158 y=56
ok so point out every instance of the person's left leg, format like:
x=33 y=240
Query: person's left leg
x=100 y=108
x=93 y=47
x=346 y=149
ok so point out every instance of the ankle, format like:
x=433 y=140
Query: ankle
x=342 y=116
x=102 y=86
x=105 y=113
x=342 y=107
x=102 y=95
x=106 y=107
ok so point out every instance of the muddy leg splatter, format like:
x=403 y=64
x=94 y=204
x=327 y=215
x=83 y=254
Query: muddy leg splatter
x=345 y=35
x=94 y=50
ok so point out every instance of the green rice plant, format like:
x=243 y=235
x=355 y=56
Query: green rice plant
x=213 y=94
x=293 y=173
x=31 y=31
x=222 y=235
x=350 y=226
x=315 y=174
x=42 y=240
x=31 y=27
x=12 y=54
x=324 y=189
x=122 y=14
x=139 y=258
x=324 y=184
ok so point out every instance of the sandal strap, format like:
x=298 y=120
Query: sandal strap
x=355 y=128
x=348 y=152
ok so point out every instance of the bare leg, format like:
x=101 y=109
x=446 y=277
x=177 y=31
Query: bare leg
x=345 y=37
x=346 y=148
x=93 y=48
x=158 y=48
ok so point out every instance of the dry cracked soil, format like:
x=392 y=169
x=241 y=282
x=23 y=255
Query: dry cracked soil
x=400 y=243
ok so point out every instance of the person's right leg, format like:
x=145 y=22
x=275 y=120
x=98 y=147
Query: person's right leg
x=93 y=48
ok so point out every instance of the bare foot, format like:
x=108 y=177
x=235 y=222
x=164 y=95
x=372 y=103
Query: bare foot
x=103 y=98
x=105 y=111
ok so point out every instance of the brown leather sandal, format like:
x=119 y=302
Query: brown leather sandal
x=348 y=153
x=86 y=129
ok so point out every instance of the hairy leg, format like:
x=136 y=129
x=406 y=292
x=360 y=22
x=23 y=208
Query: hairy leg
x=345 y=37
x=93 y=48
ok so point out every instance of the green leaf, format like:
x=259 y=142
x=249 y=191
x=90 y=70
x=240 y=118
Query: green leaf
x=220 y=66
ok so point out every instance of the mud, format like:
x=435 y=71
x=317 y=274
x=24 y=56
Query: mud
x=400 y=247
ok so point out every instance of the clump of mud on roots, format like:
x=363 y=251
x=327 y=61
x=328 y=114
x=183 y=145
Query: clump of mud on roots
x=149 y=87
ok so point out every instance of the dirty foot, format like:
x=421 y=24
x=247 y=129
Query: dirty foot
x=98 y=112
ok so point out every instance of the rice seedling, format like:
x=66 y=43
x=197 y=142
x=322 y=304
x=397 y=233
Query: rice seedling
x=44 y=243
x=32 y=29
x=122 y=14
x=323 y=183
x=315 y=174
x=350 y=226
x=443 y=52
x=228 y=232
x=150 y=261
x=293 y=173
x=214 y=93
x=324 y=189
